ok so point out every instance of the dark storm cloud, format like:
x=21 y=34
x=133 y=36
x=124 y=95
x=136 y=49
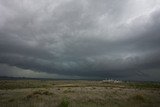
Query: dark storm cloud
x=85 y=38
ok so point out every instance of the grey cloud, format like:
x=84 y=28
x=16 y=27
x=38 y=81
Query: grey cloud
x=80 y=38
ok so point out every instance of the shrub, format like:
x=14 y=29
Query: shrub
x=64 y=103
x=138 y=97
x=10 y=100
x=38 y=93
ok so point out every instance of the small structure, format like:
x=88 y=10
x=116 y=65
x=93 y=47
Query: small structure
x=112 y=81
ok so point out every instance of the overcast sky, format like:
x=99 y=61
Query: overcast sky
x=71 y=39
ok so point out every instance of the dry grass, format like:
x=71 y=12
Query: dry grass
x=77 y=94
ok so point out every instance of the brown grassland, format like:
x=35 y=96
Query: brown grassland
x=78 y=93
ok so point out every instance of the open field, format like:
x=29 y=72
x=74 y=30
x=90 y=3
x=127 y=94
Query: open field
x=78 y=93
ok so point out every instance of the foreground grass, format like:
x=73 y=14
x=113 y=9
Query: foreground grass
x=38 y=93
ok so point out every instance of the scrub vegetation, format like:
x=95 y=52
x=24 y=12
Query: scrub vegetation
x=78 y=93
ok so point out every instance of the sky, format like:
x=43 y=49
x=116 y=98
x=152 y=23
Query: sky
x=80 y=39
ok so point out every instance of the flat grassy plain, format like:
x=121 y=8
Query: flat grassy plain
x=78 y=93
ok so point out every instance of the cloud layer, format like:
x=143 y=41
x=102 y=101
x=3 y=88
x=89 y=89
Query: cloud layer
x=84 y=38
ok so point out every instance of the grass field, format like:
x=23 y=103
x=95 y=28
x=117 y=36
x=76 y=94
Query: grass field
x=78 y=93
